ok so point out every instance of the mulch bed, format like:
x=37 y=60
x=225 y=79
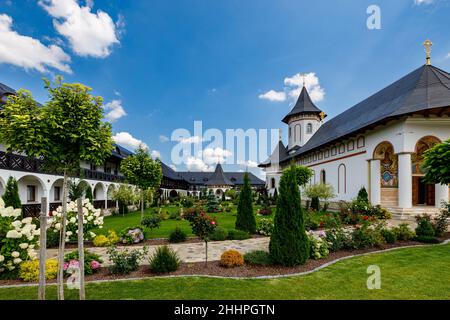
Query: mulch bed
x=214 y=269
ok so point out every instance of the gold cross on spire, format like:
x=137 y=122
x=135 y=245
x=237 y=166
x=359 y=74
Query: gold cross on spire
x=280 y=134
x=304 y=79
x=428 y=44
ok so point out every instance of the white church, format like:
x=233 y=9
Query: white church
x=377 y=144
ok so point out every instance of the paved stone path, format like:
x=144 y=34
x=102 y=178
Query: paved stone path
x=188 y=252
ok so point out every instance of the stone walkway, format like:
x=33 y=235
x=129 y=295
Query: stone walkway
x=188 y=252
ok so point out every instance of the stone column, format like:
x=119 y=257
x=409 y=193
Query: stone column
x=441 y=194
x=404 y=180
x=375 y=182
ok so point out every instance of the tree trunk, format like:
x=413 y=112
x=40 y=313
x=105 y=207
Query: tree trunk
x=62 y=241
x=142 y=205
x=81 y=248
x=42 y=248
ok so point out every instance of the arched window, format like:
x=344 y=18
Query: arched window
x=342 y=179
x=290 y=132
x=272 y=183
x=309 y=128
x=323 y=177
x=297 y=133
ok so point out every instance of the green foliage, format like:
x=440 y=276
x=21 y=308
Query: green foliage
x=152 y=222
x=442 y=221
x=219 y=234
x=202 y=224
x=365 y=236
x=89 y=194
x=187 y=202
x=52 y=238
x=11 y=195
x=177 y=236
x=427 y=239
x=389 y=236
x=258 y=258
x=436 y=163
x=124 y=262
x=76 y=190
x=403 y=232
x=164 y=260
x=231 y=193
x=141 y=170
x=318 y=247
x=339 y=239
x=303 y=175
x=363 y=196
x=234 y=234
x=88 y=258
x=315 y=203
x=213 y=205
x=245 y=219
x=424 y=226
x=265 y=227
x=289 y=243
x=64 y=131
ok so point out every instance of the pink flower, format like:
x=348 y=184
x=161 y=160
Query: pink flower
x=213 y=222
x=66 y=266
x=95 y=265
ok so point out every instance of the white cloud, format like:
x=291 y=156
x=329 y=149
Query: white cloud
x=89 y=33
x=214 y=155
x=190 y=140
x=419 y=2
x=163 y=138
x=293 y=86
x=447 y=56
x=248 y=164
x=128 y=141
x=115 y=111
x=272 y=95
x=27 y=52
x=197 y=164
x=174 y=167
x=155 y=154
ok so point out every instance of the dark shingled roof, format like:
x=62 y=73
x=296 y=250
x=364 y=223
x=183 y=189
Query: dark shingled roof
x=121 y=152
x=218 y=178
x=304 y=105
x=425 y=88
x=237 y=178
x=279 y=154
x=4 y=89
x=168 y=172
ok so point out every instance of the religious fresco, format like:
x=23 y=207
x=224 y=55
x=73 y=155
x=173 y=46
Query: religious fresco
x=388 y=165
x=417 y=158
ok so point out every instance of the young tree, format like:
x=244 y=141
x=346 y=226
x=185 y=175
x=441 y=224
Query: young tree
x=124 y=195
x=289 y=243
x=436 y=163
x=142 y=171
x=11 y=195
x=88 y=194
x=245 y=219
x=363 y=196
x=64 y=131
x=303 y=175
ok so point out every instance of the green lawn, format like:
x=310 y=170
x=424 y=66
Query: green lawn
x=118 y=223
x=413 y=273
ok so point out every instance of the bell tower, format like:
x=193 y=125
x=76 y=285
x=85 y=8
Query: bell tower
x=304 y=120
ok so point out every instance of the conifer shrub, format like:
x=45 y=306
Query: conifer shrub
x=245 y=219
x=234 y=234
x=164 y=260
x=219 y=234
x=177 y=236
x=289 y=244
x=11 y=195
x=258 y=258
x=231 y=258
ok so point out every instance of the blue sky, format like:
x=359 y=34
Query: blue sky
x=167 y=63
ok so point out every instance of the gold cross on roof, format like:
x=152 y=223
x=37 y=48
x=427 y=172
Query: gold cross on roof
x=428 y=44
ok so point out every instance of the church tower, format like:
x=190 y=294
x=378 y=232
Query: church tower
x=304 y=120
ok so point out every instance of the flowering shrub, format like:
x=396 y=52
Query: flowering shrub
x=124 y=262
x=29 y=270
x=265 y=226
x=91 y=219
x=202 y=224
x=231 y=259
x=18 y=238
x=92 y=262
x=106 y=241
x=318 y=245
x=132 y=235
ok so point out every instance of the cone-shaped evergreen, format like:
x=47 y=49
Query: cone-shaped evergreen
x=289 y=243
x=11 y=195
x=245 y=219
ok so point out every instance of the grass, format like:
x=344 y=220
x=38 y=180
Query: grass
x=118 y=223
x=412 y=273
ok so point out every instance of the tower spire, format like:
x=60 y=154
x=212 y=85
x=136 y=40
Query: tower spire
x=428 y=44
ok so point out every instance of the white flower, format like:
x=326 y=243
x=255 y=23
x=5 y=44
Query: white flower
x=27 y=220
x=58 y=226
x=16 y=224
x=69 y=233
x=73 y=220
x=17 y=260
x=13 y=234
x=90 y=218
x=31 y=246
x=2 y=258
x=23 y=245
x=2 y=203
x=91 y=234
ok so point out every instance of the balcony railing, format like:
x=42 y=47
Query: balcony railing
x=9 y=161
x=31 y=210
